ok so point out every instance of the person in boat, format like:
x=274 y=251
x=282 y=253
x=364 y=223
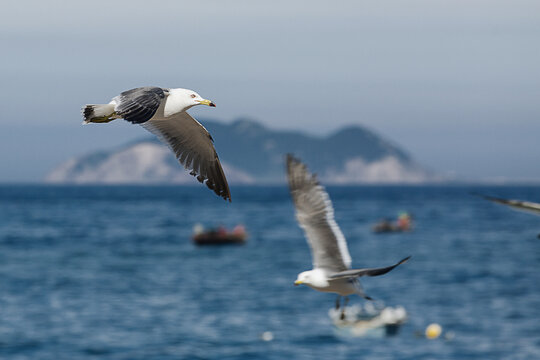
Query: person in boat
x=198 y=228
x=404 y=221
x=239 y=229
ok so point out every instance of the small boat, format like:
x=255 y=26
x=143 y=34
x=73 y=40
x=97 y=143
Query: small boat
x=402 y=224
x=219 y=236
x=368 y=321
x=385 y=227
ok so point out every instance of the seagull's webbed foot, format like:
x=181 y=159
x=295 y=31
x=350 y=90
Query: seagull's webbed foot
x=338 y=302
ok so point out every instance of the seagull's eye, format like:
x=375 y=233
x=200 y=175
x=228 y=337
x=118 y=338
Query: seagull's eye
x=193 y=95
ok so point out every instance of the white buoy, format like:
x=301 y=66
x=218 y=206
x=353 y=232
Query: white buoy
x=267 y=336
x=449 y=335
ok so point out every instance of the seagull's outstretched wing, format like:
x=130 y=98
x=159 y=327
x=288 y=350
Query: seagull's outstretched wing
x=315 y=215
x=366 y=272
x=194 y=148
x=140 y=104
x=526 y=206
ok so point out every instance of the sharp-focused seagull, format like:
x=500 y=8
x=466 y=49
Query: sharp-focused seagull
x=163 y=112
x=331 y=260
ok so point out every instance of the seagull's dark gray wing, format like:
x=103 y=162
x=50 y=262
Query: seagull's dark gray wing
x=354 y=273
x=526 y=206
x=315 y=215
x=194 y=148
x=140 y=104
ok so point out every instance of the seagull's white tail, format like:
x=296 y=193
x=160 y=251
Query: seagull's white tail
x=98 y=113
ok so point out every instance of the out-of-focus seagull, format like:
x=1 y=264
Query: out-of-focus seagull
x=163 y=112
x=526 y=206
x=523 y=206
x=331 y=260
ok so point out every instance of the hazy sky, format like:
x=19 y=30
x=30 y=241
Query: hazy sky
x=456 y=83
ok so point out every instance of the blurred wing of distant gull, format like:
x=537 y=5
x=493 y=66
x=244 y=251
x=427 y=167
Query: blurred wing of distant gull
x=163 y=112
x=315 y=215
x=526 y=206
x=331 y=259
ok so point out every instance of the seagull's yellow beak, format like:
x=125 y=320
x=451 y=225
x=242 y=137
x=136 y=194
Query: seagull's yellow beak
x=297 y=282
x=207 y=102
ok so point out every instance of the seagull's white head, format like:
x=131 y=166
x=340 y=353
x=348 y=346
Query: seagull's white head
x=315 y=278
x=183 y=99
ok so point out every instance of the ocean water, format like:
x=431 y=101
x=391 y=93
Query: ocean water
x=111 y=273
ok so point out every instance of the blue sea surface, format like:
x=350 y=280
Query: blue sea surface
x=111 y=273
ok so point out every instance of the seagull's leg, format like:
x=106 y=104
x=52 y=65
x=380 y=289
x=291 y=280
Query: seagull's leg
x=337 y=302
x=345 y=302
x=360 y=291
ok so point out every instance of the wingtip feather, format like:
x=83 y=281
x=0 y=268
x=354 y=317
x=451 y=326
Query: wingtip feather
x=404 y=260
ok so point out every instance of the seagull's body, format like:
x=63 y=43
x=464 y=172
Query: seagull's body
x=331 y=259
x=163 y=112
x=320 y=280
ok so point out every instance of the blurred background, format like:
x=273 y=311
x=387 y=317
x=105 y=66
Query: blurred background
x=456 y=83
x=400 y=107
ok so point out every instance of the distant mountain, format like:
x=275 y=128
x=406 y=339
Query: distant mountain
x=252 y=153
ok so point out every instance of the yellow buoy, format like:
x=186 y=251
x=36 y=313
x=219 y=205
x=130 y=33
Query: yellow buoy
x=433 y=331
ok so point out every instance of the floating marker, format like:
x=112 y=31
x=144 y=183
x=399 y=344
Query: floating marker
x=433 y=331
x=267 y=336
